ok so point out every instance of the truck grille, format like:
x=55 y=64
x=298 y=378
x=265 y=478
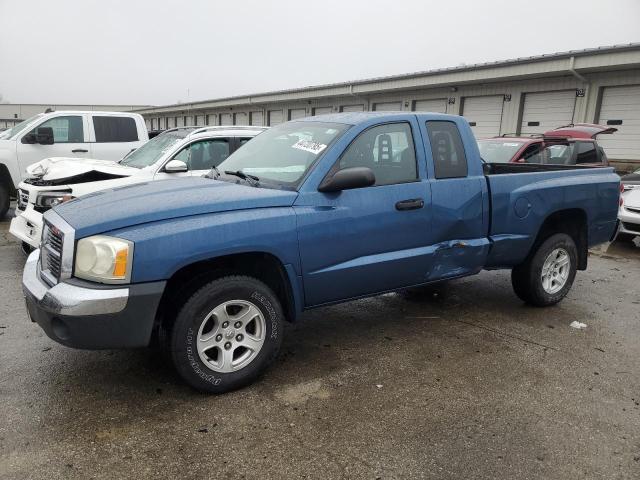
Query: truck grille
x=23 y=199
x=51 y=254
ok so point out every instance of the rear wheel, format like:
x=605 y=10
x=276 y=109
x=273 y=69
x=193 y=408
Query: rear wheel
x=226 y=334
x=547 y=276
x=4 y=200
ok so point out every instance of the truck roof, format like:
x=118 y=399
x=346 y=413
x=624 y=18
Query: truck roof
x=354 y=118
x=99 y=112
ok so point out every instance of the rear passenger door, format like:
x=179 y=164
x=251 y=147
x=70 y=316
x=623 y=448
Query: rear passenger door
x=113 y=137
x=458 y=196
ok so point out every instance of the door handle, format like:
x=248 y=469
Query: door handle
x=79 y=150
x=411 y=204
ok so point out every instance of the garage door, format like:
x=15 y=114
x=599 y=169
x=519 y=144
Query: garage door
x=621 y=109
x=226 y=119
x=255 y=118
x=240 y=118
x=547 y=110
x=437 y=105
x=275 y=117
x=297 y=113
x=322 y=110
x=387 y=107
x=484 y=114
x=211 y=119
x=352 y=108
x=200 y=120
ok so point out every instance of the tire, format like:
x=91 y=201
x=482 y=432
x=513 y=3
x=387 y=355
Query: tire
x=26 y=249
x=201 y=335
x=4 y=200
x=527 y=278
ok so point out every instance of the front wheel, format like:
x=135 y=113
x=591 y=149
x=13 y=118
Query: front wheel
x=226 y=334
x=547 y=276
x=4 y=200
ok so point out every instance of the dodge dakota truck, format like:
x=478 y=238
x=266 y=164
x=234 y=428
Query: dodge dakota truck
x=311 y=212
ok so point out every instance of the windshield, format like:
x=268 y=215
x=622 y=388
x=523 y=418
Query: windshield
x=154 y=149
x=498 y=151
x=283 y=154
x=19 y=127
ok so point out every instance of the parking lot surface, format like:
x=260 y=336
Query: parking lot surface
x=470 y=383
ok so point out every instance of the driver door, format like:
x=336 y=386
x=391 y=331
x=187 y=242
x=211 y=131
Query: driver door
x=70 y=137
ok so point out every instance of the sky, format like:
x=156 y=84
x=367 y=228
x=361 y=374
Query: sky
x=160 y=52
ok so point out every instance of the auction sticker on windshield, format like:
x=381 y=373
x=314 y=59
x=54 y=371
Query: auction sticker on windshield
x=309 y=146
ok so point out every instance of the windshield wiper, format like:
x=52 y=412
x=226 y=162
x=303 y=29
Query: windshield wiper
x=214 y=173
x=250 y=179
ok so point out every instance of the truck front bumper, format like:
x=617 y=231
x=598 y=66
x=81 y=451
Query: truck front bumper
x=80 y=314
x=27 y=226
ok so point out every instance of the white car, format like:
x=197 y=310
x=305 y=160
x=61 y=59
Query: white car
x=185 y=151
x=75 y=134
x=629 y=213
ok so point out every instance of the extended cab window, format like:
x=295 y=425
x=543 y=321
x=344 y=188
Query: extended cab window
x=449 y=160
x=388 y=150
x=65 y=129
x=205 y=154
x=115 y=129
x=587 y=153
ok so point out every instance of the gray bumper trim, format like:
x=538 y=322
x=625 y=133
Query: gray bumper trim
x=71 y=300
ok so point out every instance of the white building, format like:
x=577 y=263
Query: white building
x=522 y=96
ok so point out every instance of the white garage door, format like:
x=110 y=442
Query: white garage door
x=200 y=120
x=322 y=110
x=256 y=118
x=211 y=119
x=352 y=108
x=297 y=113
x=547 y=110
x=387 y=107
x=436 y=105
x=226 y=119
x=275 y=117
x=621 y=109
x=484 y=114
x=240 y=118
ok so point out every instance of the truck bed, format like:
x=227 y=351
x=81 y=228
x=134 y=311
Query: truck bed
x=523 y=196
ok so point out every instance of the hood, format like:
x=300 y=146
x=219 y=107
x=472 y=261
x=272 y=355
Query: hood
x=163 y=200
x=61 y=170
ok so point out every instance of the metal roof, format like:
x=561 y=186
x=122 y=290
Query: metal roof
x=426 y=73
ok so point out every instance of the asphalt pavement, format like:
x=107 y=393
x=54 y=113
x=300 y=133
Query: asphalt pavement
x=470 y=383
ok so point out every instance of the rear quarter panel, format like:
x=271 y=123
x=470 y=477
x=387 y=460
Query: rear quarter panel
x=520 y=203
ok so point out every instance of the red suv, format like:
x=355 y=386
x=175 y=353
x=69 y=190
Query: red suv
x=569 y=145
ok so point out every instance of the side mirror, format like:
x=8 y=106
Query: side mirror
x=44 y=135
x=175 y=166
x=348 y=178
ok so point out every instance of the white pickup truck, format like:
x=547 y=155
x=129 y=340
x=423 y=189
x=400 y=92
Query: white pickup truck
x=185 y=151
x=69 y=134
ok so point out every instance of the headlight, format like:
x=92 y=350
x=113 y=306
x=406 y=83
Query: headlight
x=51 y=199
x=104 y=259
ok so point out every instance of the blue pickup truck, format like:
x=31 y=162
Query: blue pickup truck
x=309 y=213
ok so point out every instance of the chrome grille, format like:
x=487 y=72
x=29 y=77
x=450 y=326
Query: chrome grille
x=23 y=199
x=51 y=253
